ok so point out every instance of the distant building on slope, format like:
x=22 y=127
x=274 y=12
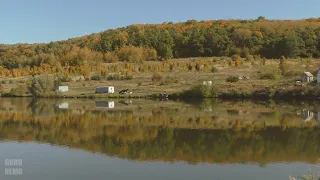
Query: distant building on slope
x=62 y=89
x=105 y=89
x=307 y=77
x=307 y=115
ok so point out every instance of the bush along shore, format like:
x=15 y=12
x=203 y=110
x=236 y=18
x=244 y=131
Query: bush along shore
x=311 y=92
x=85 y=96
x=273 y=92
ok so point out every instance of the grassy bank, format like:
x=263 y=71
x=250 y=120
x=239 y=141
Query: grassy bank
x=181 y=78
x=273 y=92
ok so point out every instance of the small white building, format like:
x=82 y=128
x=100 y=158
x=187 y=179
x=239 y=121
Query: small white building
x=307 y=77
x=318 y=77
x=104 y=104
x=207 y=83
x=307 y=115
x=105 y=89
x=62 y=88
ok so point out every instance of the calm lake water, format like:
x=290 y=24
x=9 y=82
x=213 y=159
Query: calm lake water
x=76 y=139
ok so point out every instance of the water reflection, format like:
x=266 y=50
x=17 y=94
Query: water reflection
x=127 y=102
x=208 y=131
x=200 y=115
x=42 y=161
x=105 y=104
x=64 y=105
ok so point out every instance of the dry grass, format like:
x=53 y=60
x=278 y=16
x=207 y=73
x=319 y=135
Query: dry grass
x=142 y=83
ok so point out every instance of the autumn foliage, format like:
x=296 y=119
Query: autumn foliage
x=137 y=43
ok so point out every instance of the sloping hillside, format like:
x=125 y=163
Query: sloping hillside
x=265 y=38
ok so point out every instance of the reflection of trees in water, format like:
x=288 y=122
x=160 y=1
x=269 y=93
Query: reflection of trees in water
x=232 y=112
x=137 y=142
x=268 y=114
x=163 y=116
x=131 y=133
x=40 y=108
x=226 y=110
x=263 y=146
x=114 y=113
x=265 y=135
x=207 y=105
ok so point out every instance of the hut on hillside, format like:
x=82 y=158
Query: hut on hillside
x=307 y=77
x=318 y=77
x=307 y=115
x=62 y=89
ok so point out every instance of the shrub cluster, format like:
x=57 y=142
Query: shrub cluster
x=232 y=79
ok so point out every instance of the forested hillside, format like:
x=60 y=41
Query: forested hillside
x=135 y=43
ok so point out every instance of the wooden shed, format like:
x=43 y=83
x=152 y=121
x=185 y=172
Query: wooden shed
x=105 y=89
x=307 y=77
x=307 y=115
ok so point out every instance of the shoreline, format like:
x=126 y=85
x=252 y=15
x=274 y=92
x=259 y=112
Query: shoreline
x=174 y=96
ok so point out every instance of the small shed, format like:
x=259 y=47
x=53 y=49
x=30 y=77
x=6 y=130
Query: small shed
x=318 y=77
x=105 y=89
x=105 y=104
x=307 y=77
x=207 y=83
x=307 y=115
x=62 y=88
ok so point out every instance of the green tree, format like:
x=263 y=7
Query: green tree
x=291 y=46
x=261 y=18
x=41 y=86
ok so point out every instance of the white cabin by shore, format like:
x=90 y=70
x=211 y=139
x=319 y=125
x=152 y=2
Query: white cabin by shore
x=307 y=77
x=62 y=89
x=105 y=89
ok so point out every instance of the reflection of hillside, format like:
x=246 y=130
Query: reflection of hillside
x=270 y=144
x=209 y=131
x=159 y=118
x=200 y=115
